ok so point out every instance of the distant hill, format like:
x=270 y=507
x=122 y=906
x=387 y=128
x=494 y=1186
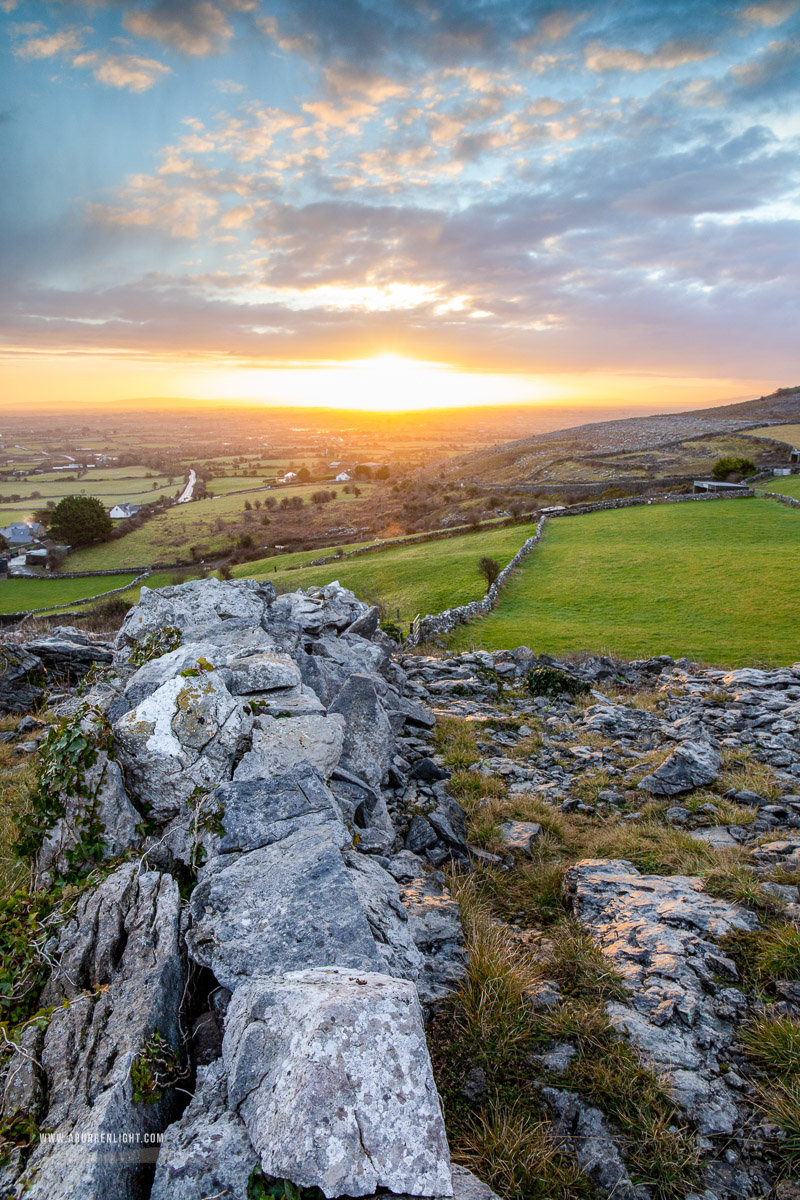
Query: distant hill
x=525 y=460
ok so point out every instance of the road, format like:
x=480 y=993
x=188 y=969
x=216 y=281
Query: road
x=186 y=494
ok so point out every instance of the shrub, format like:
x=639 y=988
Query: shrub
x=489 y=568
x=725 y=467
x=550 y=681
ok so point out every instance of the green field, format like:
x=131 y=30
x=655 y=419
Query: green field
x=19 y=595
x=410 y=579
x=717 y=582
x=784 y=485
x=221 y=485
x=168 y=537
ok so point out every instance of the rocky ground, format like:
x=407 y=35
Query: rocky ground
x=288 y=884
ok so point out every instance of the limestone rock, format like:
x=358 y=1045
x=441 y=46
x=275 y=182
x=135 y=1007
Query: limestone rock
x=103 y=781
x=660 y=933
x=123 y=939
x=692 y=765
x=520 y=835
x=280 y=908
x=21 y=677
x=248 y=814
x=590 y=1139
x=208 y=1151
x=185 y=735
x=280 y=743
x=368 y=738
x=330 y=1072
x=387 y=916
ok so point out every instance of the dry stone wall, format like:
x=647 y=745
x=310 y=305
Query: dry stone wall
x=269 y=946
x=434 y=625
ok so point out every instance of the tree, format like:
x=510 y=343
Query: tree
x=79 y=520
x=724 y=468
x=489 y=568
x=304 y=474
x=382 y=472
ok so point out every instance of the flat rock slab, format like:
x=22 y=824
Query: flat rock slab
x=252 y=813
x=280 y=743
x=692 y=765
x=717 y=835
x=661 y=933
x=280 y=908
x=330 y=1072
x=520 y=835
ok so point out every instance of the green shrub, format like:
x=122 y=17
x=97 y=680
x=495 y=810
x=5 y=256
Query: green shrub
x=550 y=681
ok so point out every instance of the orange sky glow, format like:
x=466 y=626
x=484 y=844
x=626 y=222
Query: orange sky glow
x=381 y=383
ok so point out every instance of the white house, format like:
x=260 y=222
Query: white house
x=343 y=477
x=290 y=477
x=124 y=510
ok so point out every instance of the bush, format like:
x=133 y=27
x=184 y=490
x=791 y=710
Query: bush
x=550 y=681
x=489 y=568
x=725 y=467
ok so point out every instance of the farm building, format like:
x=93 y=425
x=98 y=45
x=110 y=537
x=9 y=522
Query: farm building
x=20 y=533
x=119 y=511
x=716 y=485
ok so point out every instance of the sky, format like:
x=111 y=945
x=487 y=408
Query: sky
x=392 y=202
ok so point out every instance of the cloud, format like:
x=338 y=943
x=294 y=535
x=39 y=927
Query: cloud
x=48 y=45
x=769 y=69
x=674 y=53
x=197 y=27
x=228 y=87
x=769 y=15
x=123 y=70
x=150 y=203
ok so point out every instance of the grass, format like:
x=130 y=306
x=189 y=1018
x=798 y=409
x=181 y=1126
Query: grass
x=169 y=536
x=774 y=1043
x=413 y=579
x=18 y=595
x=491 y=1024
x=784 y=485
x=17 y=778
x=781 y=433
x=642 y=581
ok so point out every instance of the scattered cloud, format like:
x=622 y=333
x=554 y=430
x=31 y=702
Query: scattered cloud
x=193 y=27
x=228 y=87
x=674 y=53
x=123 y=70
x=774 y=13
x=48 y=45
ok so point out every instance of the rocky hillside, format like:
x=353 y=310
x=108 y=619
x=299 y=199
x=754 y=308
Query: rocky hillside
x=522 y=460
x=313 y=918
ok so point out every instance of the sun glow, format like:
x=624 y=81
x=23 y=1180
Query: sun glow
x=385 y=383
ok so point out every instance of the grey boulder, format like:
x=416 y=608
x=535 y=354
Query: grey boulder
x=368 y=739
x=692 y=765
x=208 y=1151
x=330 y=1072
x=280 y=908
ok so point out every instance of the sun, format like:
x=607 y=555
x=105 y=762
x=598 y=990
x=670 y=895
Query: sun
x=382 y=383
x=391 y=383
